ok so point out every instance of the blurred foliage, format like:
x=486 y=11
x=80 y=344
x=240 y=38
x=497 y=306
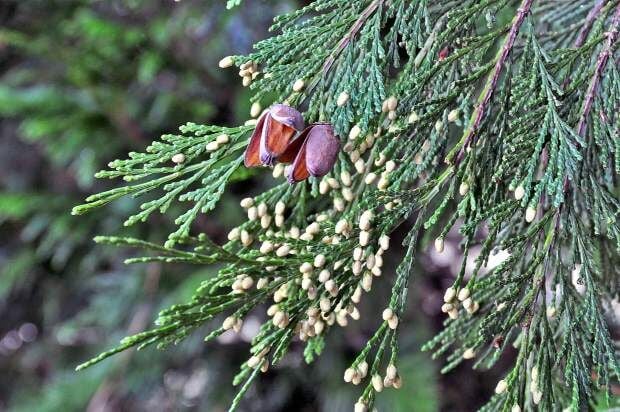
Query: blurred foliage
x=81 y=83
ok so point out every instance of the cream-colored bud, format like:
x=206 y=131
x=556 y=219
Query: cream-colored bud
x=347 y=194
x=393 y=322
x=438 y=125
x=463 y=294
x=501 y=387
x=439 y=244
x=339 y=204
x=341 y=227
x=319 y=261
x=360 y=407
x=530 y=214
x=283 y=250
x=519 y=192
x=247 y=80
x=449 y=295
x=305 y=267
x=453 y=115
x=515 y=408
x=313 y=228
x=384 y=242
x=222 y=139
x=343 y=98
x=354 y=132
x=391 y=372
x=255 y=109
x=178 y=158
x=360 y=166
x=370 y=178
x=332 y=287
x=278 y=170
x=358 y=253
x=247 y=282
x=453 y=314
x=265 y=221
x=252 y=213
x=325 y=305
x=356 y=267
x=387 y=314
x=246 y=238
x=551 y=311
x=247 y=202
x=383 y=183
x=227 y=61
x=234 y=234
x=392 y=115
x=365 y=219
x=377 y=383
x=324 y=275
x=262 y=282
x=392 y=103
x=298 y=85
x=364 y=239
x=323 y=187
x=463 y=188
x=469 y=353
x=413 y=117
x=306 y=283
x=390 y=165
x=345 y=178
x=229 y=322
x=367 y=281
x=280 y=208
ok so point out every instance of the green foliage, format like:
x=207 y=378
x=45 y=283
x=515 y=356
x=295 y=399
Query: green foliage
x=503 y=130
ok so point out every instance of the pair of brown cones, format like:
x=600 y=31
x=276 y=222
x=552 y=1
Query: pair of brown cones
x=313 y=152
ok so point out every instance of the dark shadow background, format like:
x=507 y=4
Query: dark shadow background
x=82 y=83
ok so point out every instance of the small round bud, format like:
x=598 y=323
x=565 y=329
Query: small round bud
x=439 y=244
x=530 y=214
x=463 y=188
x=469 y=353
x=319 y=261
x=227 y=61
x=354 y=132
x=255 y=109
x=364 y=238
x=370 y=178
x=365 y=219
x=391 y=372
x=393 y=322
x=501 y=387
x=212 y=146
x=324 y=276
x=387 y=314
x=222 y=138
x=343 y=98
x=453 y=115
x=519 y=192
x=247 y=202
x=413 y=117
x=377 y=383
x=178 y=158
x=234 y=234
x=305 y=267
x=390 y=165
x=280 y=208
x=449 y=295
x=391 y=103
x=298 y=85
x=463 y=294
x=515 y=408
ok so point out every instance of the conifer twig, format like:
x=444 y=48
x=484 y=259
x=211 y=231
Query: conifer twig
x=489 y=88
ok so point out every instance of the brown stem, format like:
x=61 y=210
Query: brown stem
x=491 y=84
x=601 y=63
x=343 y=43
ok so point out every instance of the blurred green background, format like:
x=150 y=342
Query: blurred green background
x=83 y=83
